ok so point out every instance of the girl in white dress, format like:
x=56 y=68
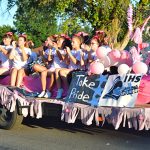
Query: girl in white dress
x=19 y=56
x=94 y=44
x=5 y=63
x=47 y=57
x=62 y=42
x=75 y=59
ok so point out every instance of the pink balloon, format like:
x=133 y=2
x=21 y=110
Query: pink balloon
x=124 y=55
x=96 y=68
x=106 y=62
x=140 y=68
x=115 y=55
x=101 y=52
x=126 y=58
x=129 y=62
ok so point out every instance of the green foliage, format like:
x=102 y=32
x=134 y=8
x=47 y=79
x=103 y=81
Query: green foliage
x=34 y=20
x=40 y=18
x=96 y=14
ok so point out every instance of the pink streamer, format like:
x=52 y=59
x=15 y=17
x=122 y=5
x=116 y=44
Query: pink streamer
x=129 y=19
x=137 y=36
x=135 y=55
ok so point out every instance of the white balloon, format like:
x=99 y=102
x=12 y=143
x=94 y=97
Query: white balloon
x=123 y=69
x=101 y=52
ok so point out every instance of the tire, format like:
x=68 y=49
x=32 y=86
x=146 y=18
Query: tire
x=9 y=119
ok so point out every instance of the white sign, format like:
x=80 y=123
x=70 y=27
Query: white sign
x=120 y=91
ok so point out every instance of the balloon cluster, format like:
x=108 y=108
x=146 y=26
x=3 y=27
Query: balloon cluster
x=121 y=59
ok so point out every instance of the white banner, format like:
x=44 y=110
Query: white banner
x=120 y=91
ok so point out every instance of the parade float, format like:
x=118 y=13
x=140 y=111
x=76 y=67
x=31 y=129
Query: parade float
x=115 y=90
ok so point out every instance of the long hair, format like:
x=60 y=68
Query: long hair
x=66 y=43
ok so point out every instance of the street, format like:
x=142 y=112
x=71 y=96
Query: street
x=51 y=134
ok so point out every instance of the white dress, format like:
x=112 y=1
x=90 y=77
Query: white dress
x=77 y=55
x=5 y=62
x=17 y=61
x=56 y=62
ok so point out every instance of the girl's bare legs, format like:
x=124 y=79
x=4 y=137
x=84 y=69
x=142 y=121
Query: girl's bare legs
x=57 y=77
x=43 y=71
x=58 y=82
x=64 y=73
x=13 y=77
x=43 y=79
x=39 y=68
x=21 y=74
x=48 y=92
x=52 y=79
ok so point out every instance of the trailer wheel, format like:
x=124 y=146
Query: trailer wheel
x=9 y=119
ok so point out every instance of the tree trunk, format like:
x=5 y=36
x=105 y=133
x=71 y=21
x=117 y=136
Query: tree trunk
x=113 y=35
x=121 y=45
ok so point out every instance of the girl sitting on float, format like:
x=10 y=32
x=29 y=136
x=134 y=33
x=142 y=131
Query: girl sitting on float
x=62 y=42
x=98 y=40
x=5 y=63
x=75 y=59
x=94 y=44
x=19 y=56
x=42 y=63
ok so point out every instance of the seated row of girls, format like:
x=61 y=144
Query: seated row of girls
x=65 y=62
x=57 y=61
x=62 y=57
x=80 y=57
x=18 y=58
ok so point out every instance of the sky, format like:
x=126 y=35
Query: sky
x=5 y=17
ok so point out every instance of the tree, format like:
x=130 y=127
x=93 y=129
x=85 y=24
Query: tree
x=107 y=15
x=35 y=21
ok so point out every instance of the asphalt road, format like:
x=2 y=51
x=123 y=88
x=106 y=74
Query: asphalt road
x=51 y=134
